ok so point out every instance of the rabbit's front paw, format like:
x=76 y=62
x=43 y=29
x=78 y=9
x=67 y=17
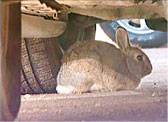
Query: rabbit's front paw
x=65 y=89
x=96 y=87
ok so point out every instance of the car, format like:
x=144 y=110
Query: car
x=139 y=32
x=48 y=28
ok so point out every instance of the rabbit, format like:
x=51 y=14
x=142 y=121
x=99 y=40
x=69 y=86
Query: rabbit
x=100 y=66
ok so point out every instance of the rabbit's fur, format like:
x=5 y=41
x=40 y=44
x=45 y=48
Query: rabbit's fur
x=100 y=66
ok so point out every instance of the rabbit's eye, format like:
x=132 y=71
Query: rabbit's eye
x=140 y=58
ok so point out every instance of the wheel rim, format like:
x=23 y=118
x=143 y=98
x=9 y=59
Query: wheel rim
x=141 y=29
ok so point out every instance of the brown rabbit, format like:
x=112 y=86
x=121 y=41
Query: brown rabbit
x=100 y=66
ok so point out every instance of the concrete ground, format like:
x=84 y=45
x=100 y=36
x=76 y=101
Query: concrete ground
x=147 y=103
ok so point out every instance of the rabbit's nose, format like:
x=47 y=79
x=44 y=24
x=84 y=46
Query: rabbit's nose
x=149 y=69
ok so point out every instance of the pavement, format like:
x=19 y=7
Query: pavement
x=147 y=103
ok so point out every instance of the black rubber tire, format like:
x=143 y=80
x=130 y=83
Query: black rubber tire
x=40 y=65
x=153 y=39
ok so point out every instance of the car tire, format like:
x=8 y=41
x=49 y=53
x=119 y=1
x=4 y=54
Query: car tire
x=145 y=38
x=40 y=65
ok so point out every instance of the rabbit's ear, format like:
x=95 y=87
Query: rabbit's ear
x=122 y=39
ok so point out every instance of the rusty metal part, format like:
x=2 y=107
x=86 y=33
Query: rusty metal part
x=118 y=9
x=112 y=9
x=47 y=9
x=55 y=5
x=38 y=9
x=10 y=42
x=35 y=14
x=41 y=28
